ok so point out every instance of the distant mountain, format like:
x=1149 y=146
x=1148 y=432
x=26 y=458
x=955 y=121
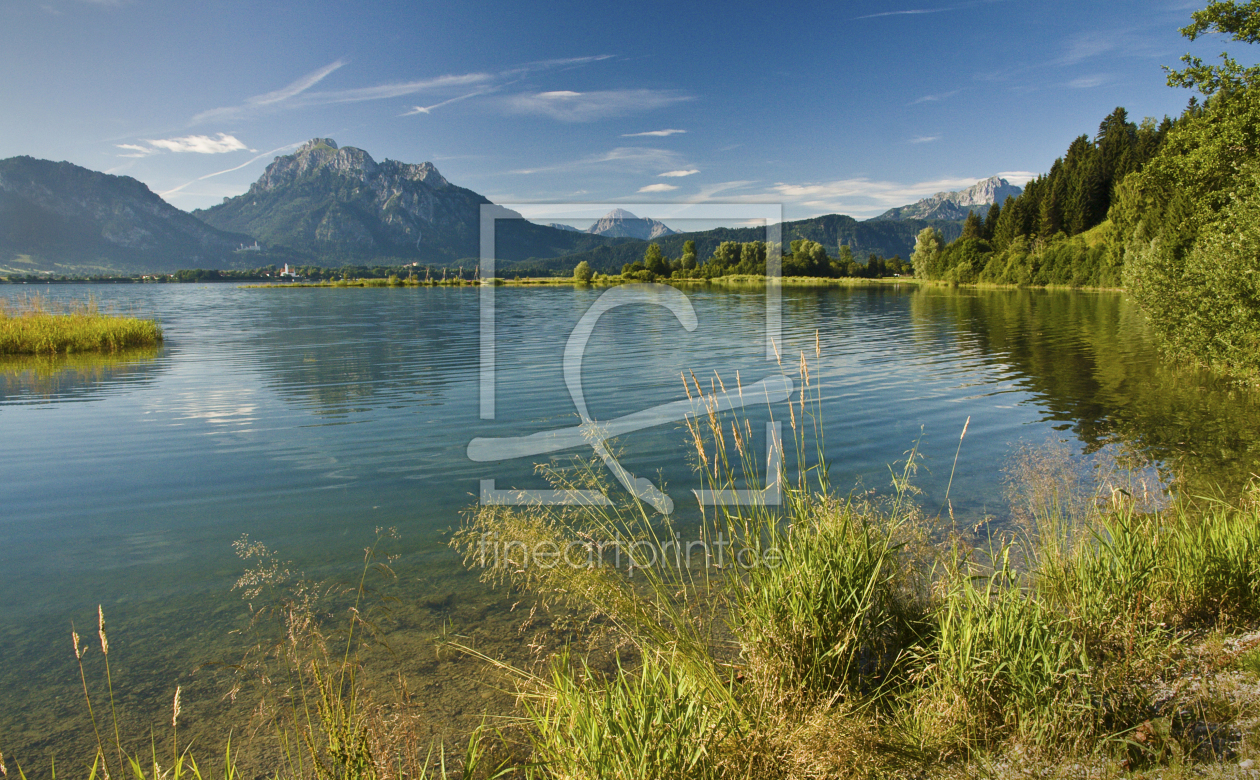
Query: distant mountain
x=956 y=205
x=620 y=223
x=885 y=238
x=562 y=226
x=61 y=218
x=336 y=204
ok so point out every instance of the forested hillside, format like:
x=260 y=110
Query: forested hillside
x=1171 y=210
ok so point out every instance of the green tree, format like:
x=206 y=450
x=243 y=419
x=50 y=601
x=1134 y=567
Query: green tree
x=1239 y=21
x=926 y=258
x=654 y=261
x=809 y=258
x=1187 y=220
x=689 y=256
x=582 y=273
x=973 y=227
x=991 y=221
x=725 y=257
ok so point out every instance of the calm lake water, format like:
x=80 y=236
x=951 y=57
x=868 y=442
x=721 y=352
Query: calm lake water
x=307 y=418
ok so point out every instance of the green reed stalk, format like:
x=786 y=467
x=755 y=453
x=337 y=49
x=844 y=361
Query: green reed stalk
x=113 y=710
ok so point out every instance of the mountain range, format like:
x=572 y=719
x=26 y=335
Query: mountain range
x=56 y=217
x=957 y=205
x=336 y=204
x=330 y=205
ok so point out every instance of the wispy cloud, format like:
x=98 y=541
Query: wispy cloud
x=1018 y=177
x=921 y=11
x=299 y=94
x=658 y=188
x=198 y=144
x=297 y=87
x=933 y=98
x=385 y=91
x=1086 y=46
x=909 y=12
x=659 y=133
x=568 y=106
x=862 y=196
x=429 y=109
x=251 y=161
x=925 y=139
x=679 y=174
x=273 y=98
x=1088 y=82
x=634 y=159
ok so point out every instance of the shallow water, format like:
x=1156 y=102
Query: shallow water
x=307 y=418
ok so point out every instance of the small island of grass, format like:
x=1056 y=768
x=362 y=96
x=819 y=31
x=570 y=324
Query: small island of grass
x=36 y=326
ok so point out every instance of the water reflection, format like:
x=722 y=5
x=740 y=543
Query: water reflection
x=1089 y=361
x=346 y=352
x=75 y=377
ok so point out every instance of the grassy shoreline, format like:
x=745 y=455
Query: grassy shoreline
x=35 y=326
x=742 y=280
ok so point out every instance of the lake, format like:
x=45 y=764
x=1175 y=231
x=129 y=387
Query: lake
x=308 y=418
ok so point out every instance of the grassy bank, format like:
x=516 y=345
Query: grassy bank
x=1106 y=635
x=36 y=326
x=599 y=280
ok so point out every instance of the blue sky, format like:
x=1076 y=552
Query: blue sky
x=848 y=107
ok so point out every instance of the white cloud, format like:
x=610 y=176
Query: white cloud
x=251 y=161
x=136 y=151
x=658 y=188
x=1018 y=177
x=679 y=174
x=925 y=139
x=911 y=12
x=864 y=197
x=658 y=133
x=297 y=87
x=385 y=91
x=299 y=95
x=933 y=98
x=199 y=144
x=1087 y=46
x=1087 y=82
x=634 y=159
x=568 y=106
x=429 y=109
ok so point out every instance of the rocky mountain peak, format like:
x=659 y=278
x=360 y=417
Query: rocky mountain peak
x=620 y=223
x=956 y=205
x=316 y=156
x=315 y=143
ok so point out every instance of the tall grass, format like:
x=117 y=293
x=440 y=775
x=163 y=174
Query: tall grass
x=37 y=326
x=883 y=642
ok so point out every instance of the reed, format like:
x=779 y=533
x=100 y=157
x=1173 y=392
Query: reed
x=37 y=326
x=885 y=642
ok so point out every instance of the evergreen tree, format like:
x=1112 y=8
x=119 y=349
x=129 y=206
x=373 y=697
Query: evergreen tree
x=991 y=221
x=973 y=227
